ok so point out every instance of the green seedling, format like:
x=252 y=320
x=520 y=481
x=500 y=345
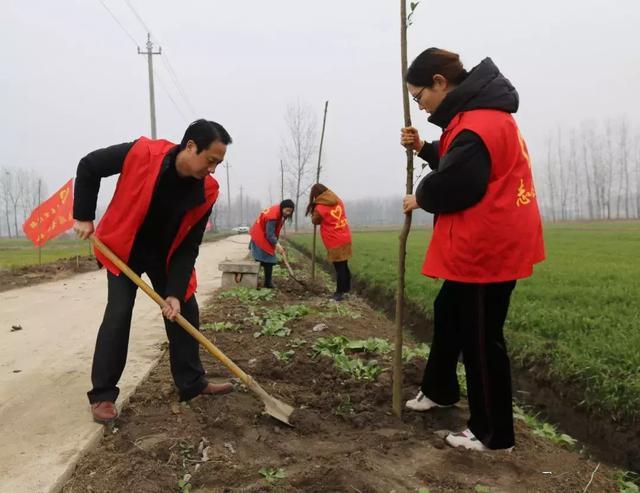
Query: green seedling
x=271 y=475
x=247 y=295
x=284 y=355
x=221 y=327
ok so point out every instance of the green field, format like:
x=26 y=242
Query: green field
x=578 y=316
x=20 y=252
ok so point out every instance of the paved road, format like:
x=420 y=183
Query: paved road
x=45 y=423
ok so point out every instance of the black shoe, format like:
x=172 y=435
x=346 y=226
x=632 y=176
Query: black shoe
x=269 y=286
x=338 y=296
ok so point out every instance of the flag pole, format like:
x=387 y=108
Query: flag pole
x=39 y=225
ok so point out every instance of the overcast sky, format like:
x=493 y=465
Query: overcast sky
x=71 y=80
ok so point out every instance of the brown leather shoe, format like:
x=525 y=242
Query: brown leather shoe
x=217 y=388
x=104 y=412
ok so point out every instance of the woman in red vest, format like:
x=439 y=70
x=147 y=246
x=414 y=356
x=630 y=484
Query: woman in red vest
x=487 y=234
x=265 y=233
x=327 y=210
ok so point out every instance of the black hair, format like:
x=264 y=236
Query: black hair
x=203 y=133
x=434 y=61
x=287 y=203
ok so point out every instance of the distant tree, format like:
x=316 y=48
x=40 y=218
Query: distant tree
x=298 y=148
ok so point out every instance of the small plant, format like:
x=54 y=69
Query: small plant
x=184 y=484
x=424 y=489
x=420 y=351
x=273 y=321
x=271 y=475
x=357 y=368
x=284 y=355
x=544 y=430
x=247 y=295
x=345 y=311
x=296 y=343
x=480 y=488
x=221 y=327
x=628 y=482
x=374 y=345
x=345 y=408
x=329 y=346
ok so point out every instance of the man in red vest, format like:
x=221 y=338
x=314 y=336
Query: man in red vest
x=154 y=223
x=487 y=234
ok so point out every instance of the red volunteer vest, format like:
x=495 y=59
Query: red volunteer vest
x=130 y=203
x=334 y=228
x=258 y=231
x=500 y=238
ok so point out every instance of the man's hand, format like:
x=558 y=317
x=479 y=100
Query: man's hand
x=280 y=249
x=171 y=309
x=83 y=229
x=410 y=138
x=409 y=203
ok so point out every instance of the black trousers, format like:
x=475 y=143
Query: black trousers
x=343 y=276
x=469 y=318
x=113 y=340
x=268 y=273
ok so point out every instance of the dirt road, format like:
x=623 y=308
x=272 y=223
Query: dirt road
x=45 y=367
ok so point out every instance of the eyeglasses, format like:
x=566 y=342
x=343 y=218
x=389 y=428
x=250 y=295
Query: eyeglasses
x=417 y=97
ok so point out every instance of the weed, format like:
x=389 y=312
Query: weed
x=345 y=408
x=272 y=322
x=543 y=429
x=248 y=296
x=284 y=355
x=184 y=484
x=221 y=327
x=271 y=475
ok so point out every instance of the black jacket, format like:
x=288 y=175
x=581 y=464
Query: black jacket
x=172 y=197
x=459 y=180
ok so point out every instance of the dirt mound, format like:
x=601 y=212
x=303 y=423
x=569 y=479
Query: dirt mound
x=343 y=437
x=30 y=275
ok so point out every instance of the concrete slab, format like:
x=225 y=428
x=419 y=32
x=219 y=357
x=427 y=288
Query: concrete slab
x=45 y=423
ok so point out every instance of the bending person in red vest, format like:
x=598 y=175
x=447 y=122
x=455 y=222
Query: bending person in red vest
x=327 y=210
x=154 y=223
x=265 y=233
x=487 y=234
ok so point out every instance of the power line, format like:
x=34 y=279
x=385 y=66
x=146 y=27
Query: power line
x=174 y=76
x=164 y=88
x=133 y=40
x=135 y=12
x=165 y=60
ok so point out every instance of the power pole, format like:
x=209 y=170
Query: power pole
x=242 y=221
x=315 y=228
x=152 y=98
x=227 y=166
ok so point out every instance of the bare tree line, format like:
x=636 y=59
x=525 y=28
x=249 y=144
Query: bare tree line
x=591 y=173
x=18 y=197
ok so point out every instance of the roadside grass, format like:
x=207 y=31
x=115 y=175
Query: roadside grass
x=578 y=316
x=20 y=252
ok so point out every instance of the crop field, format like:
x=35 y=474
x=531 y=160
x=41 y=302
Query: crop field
x=577 y=317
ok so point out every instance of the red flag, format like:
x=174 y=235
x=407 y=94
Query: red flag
x=51 y=218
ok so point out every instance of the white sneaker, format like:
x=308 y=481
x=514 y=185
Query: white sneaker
x=422 y=403
x=465 y=439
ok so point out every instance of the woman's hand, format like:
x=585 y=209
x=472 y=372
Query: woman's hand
x=171 y=309
x=409 y=203
x=83 y=229
x=410 y=138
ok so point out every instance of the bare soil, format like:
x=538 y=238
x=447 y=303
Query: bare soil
x=29 y=275
x=344 y=437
